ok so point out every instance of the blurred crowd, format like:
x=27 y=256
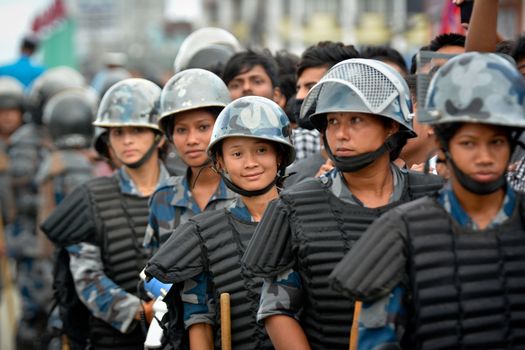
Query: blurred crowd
x=340 y=199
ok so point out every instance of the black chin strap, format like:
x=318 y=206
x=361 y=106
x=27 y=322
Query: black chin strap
x=247 y=193
x=146 y=156
x=244 y=192
x=479 y=188
x=476 y=187
x=355 y=163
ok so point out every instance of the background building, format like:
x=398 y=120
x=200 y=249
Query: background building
x=78 y=32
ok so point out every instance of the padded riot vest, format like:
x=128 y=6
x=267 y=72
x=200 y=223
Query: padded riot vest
x=325 y=228
x=224 y=239
x=121 y=221
x=468 y=287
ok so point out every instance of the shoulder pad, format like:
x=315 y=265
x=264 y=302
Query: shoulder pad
x=269 y=252
x=421 y=184
x=376 y=263
x=307 y=184
x=72 y=220
x=179 y=258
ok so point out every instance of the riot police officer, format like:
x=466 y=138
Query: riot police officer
x=250 y=147
x=28 y=146
x=362 y=109
x=108 y=216
x=190 y=103
x=447 y=268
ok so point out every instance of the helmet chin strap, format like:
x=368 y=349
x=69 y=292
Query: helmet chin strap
x=242 y=191
x=356 y=163
x=476 y=187
x=146 y=156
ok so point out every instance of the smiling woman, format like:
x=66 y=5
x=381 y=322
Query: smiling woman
x=250 y=147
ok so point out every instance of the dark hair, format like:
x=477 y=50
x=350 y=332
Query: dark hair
x=447 y=39
x=325 y=54
x=29 y=43
x=385 y=54
x=244 y=61
x=446 y=131
x=506 y=47
x=440 y=41
x=518 y=53
x=287 y=63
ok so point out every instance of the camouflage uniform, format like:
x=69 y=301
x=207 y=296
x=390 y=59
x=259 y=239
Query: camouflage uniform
x=172 y=204
x=282 y=295
x=101 y=295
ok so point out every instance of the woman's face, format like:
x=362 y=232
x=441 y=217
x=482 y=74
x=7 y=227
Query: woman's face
x=130 y=143
x=191 y=135
x=250 y=163
x=481 y=151
x=350 y=133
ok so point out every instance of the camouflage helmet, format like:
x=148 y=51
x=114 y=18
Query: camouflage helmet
x=478 y=88
x=218 y=39
x=69 y=117
x=360 y=85
x=130 y=102
x=191 y=89
x=11 y=93
x=256 y=117
x=49 y=84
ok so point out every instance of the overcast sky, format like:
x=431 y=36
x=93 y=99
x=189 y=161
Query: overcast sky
x=15 y=19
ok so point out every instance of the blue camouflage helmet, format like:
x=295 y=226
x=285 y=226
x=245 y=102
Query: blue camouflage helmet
x=256 y=117
x=130 y=102
x=360 y=85
x=191 y=89
x=476 y=88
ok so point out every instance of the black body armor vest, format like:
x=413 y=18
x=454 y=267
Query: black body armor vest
x=121 y=221
x=468 y=287
x=325 y=228
x=225 y=239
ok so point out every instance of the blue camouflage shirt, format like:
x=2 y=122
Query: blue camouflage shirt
x=197 y=294
x=383 y=321
x=282 y=295
x=103 y=297
x=173 y=204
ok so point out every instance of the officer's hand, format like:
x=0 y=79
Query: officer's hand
x=326 y=167
x=148 y=310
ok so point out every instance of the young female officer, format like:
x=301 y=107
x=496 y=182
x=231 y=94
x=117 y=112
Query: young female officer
x=101 y=223
x=190 y=103
x=447 y=271
x=362 y=109
x=250 y=148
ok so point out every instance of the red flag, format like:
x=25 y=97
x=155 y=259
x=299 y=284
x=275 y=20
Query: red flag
x=450 y=19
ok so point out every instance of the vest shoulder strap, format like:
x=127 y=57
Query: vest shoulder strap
x=421 y=184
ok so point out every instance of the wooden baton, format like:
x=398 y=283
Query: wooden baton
x=226 y=331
